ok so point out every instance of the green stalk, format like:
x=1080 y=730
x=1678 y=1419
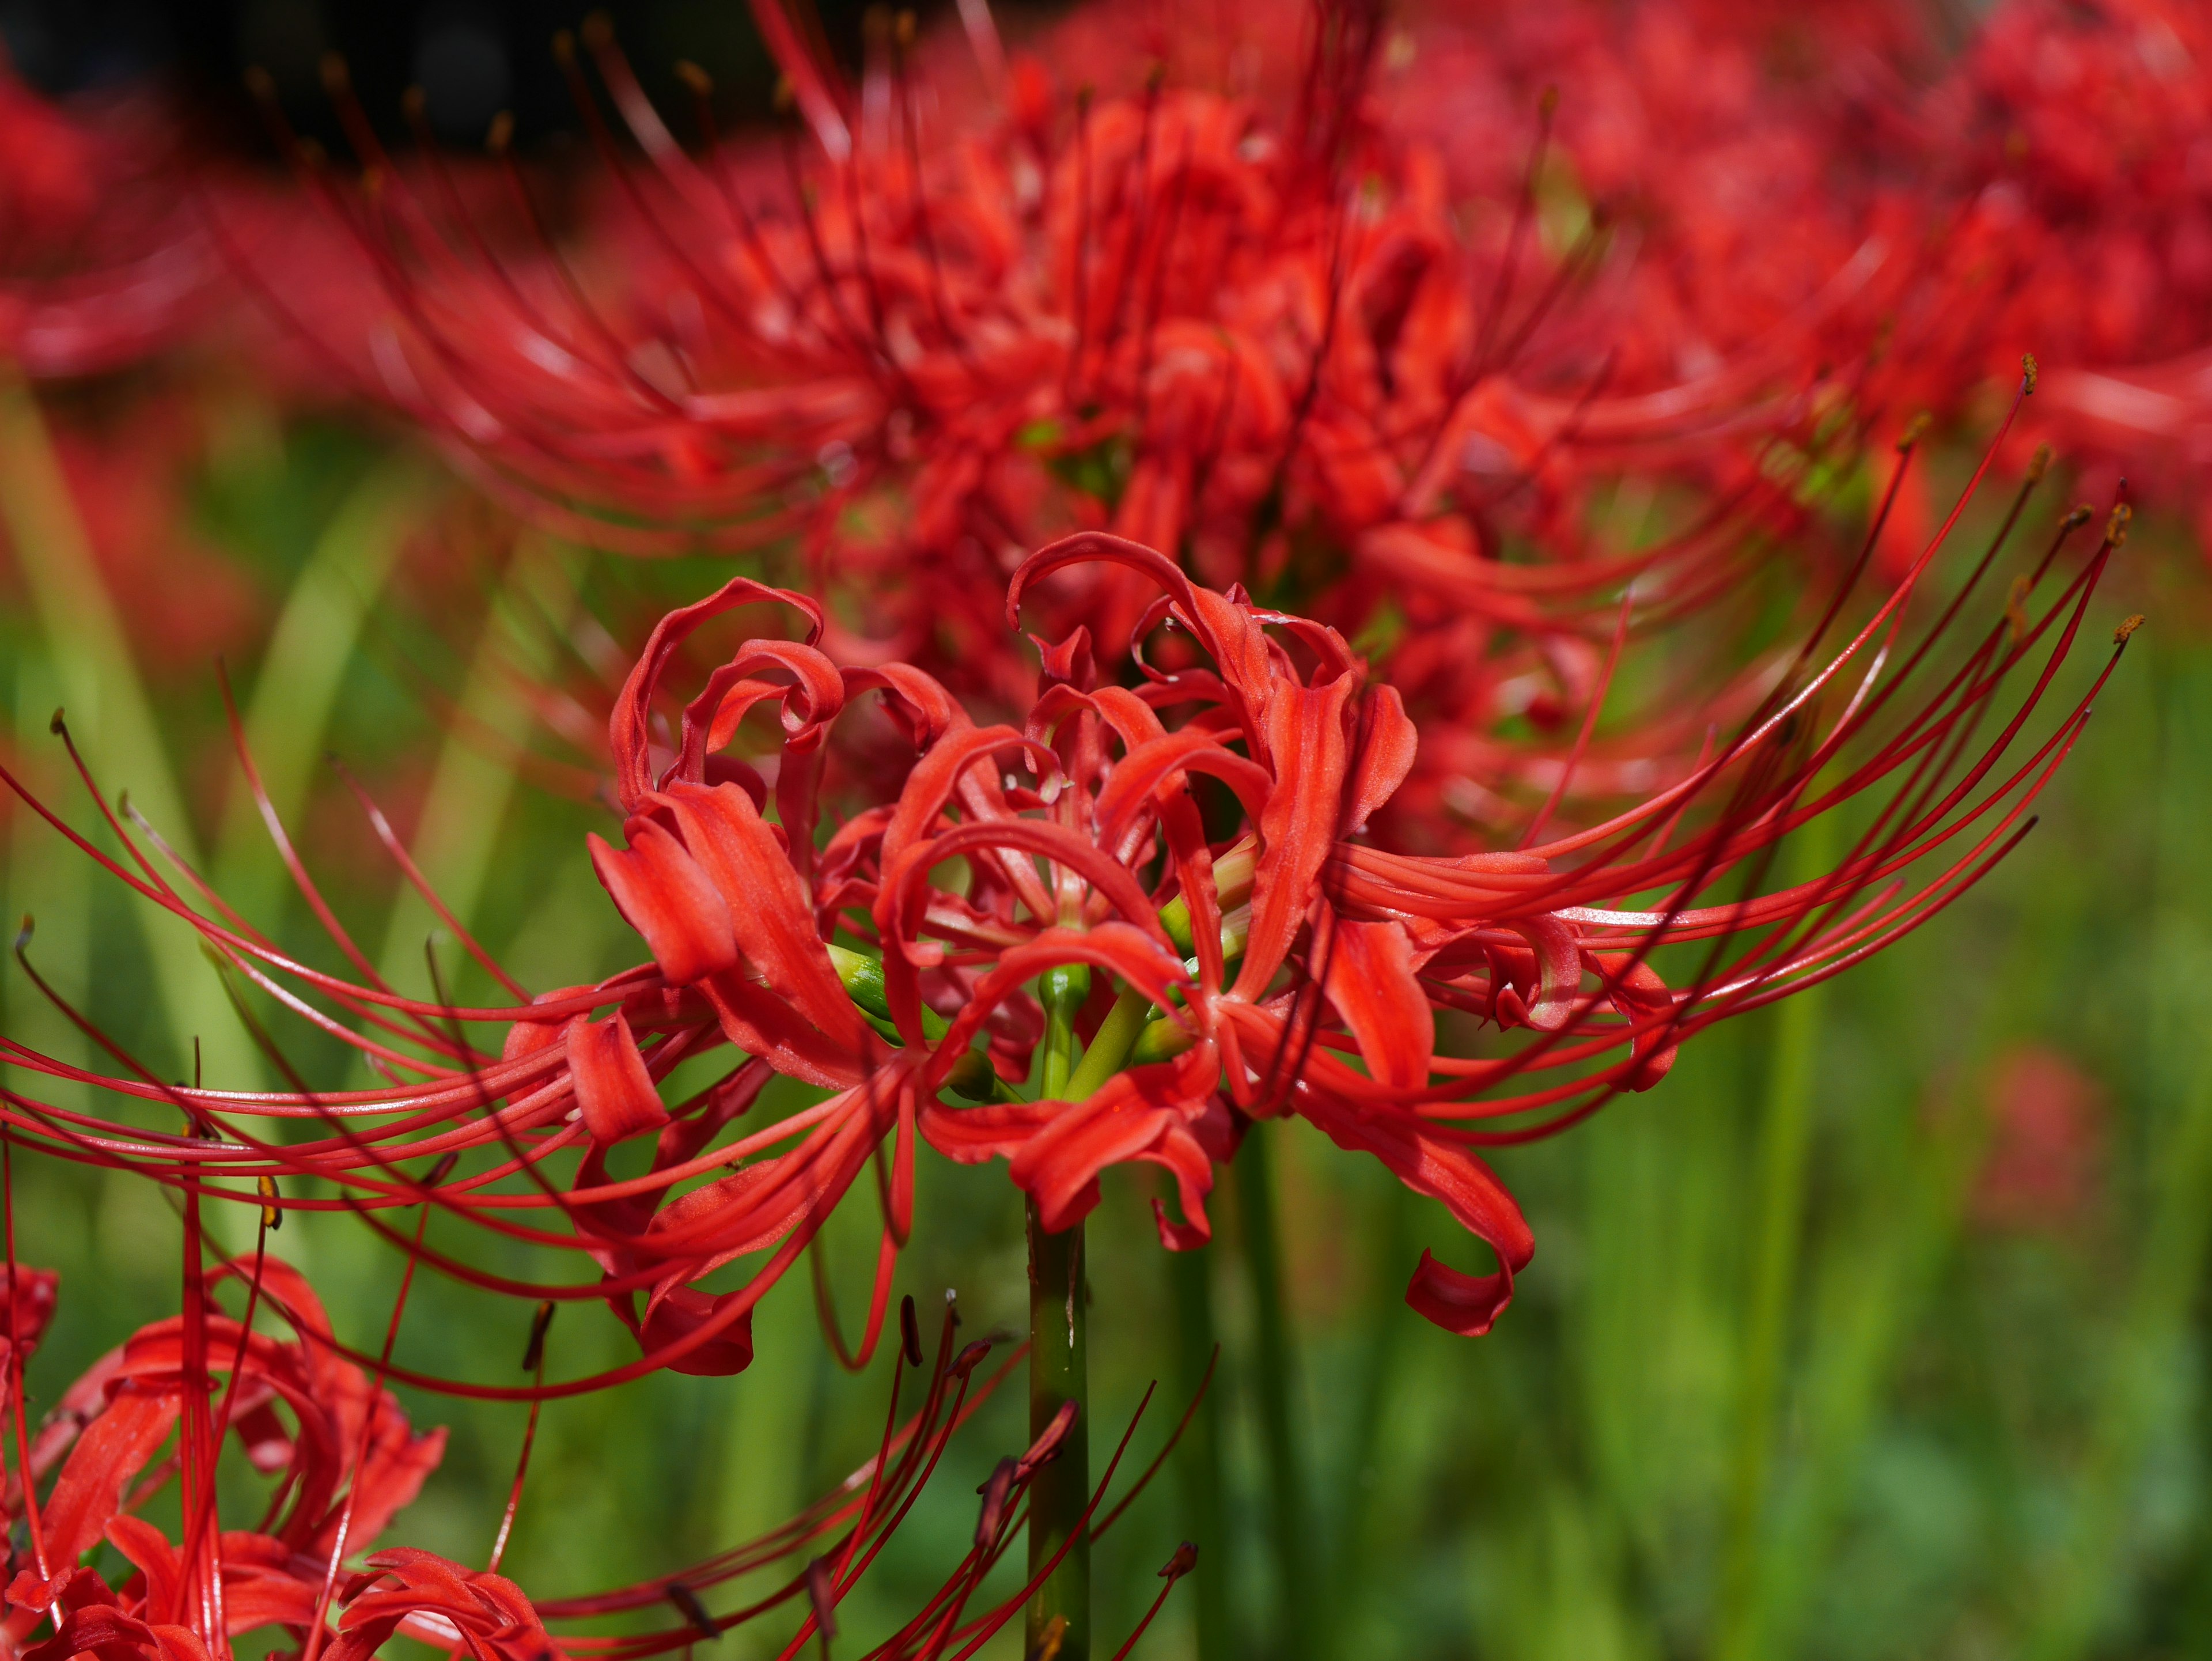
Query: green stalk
x=458 y=834
x=1784 y=1151
x=1116 y=1037
x=1377 y=1372
x=1275 y=1380
x=1198 y=1456
x=112 y=718
x=1060 y=1613
x=309 y=652
x=49 y=880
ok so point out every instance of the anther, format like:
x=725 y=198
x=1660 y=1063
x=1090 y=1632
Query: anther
x=598 y=30
x=786 y=94
x=442 y=1170
x=337 y=81
x=2076 y=518
x=2040 y=465
x=2015 y=610
x=57 y=725
x=910 y=1331
x=502 y=133
x=533 y=1352
x=564 y=48
x=272 y=1214
x=902 y=28
x=821 y=1593
x=2121 y=634
x=701 y=84
x=2027 y=374
x=1547 y=102
x=969 y=1358
x=23 y=933
x=1184 y=1560
x=2116 y=527
x=1915 y=430
x=413 y=103
x=687 y=1602
x=260 y=83
x=995 y=1489
x=1051 y=1442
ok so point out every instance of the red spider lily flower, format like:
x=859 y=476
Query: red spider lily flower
x=2078 y=137
x=1281 y=962
x=102 y=259
x=2046 y=1146
x=333 y=1459
x=1264 y=342
x=347 y=1460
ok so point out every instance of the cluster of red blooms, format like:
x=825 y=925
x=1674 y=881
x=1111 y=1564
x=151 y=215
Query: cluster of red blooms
x=347 y=1460
x=1226 y=384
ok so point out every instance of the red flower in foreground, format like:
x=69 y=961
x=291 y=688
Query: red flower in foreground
x=1262 y=961
x=344 y=1462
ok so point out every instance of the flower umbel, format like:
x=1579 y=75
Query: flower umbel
x=1191 y=834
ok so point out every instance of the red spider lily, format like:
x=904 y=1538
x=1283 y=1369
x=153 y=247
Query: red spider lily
x=1262 y=344
x=2081 y=136
x=1281 y=963
x=102 y=260
x=2044 y=188
x=346 y=1462
x=2047 y=1123
x=1276 y=346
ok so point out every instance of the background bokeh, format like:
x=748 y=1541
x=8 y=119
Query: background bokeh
x=1879 y=1328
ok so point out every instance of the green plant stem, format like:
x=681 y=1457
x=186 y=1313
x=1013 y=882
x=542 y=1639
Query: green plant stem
x=1059 y=1627
x=1777 y=1229
x=456 y=837
x=1110 y=1048
x=309 y=651
x=1377 y=1371
x=112 y=717
x=1198 y=1456
x=1275 y=1383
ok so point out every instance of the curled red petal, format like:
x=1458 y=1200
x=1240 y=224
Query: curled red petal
x=663 y=895
x=613 y=1089
x=1468 y=1304
x=1371 y=983
x=768 y=906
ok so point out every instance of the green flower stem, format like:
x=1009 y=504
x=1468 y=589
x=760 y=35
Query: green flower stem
x=456 y=835
x=1110 y=1047
x=1784 y=1154
x=1274 y=1382
x=1198 y=1456
x=1060 y=1613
